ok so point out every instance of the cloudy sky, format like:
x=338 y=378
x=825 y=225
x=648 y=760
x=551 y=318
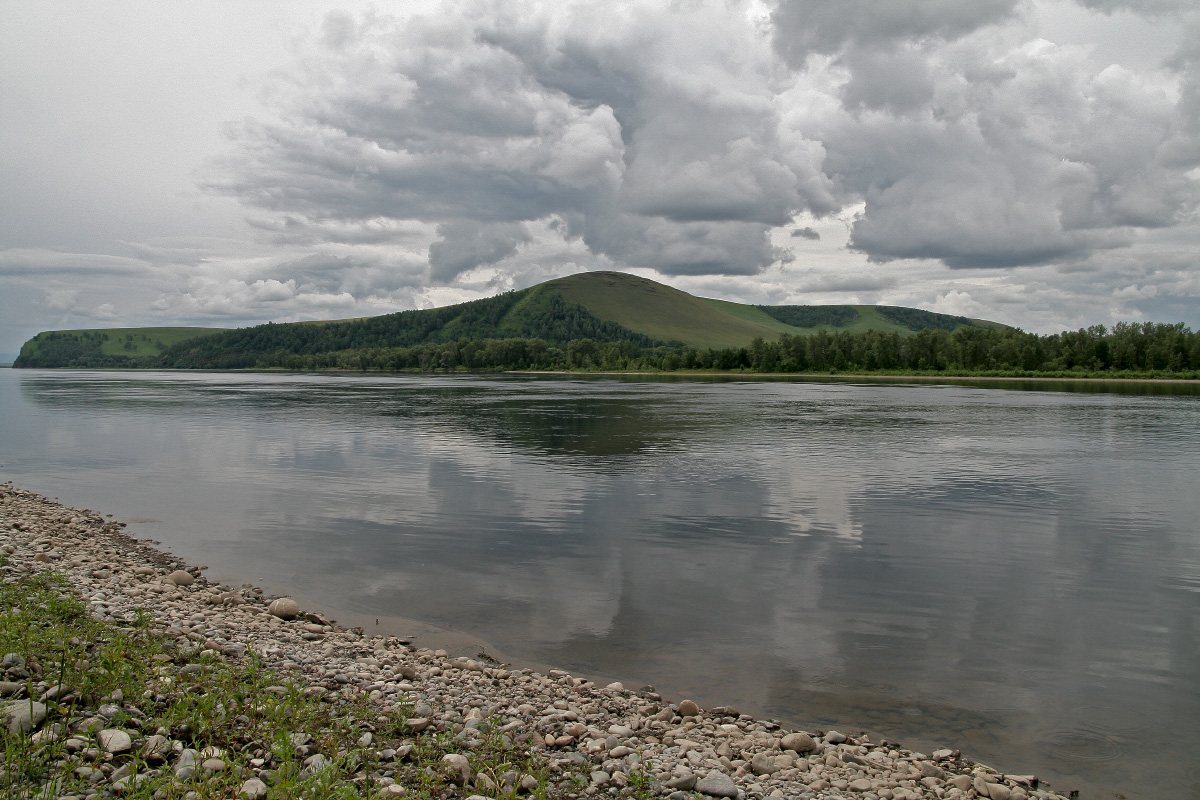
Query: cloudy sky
x=227 y=163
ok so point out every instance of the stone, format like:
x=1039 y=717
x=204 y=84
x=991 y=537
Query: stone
x=799 y=742
x=457 y=768
x=833 y=737
x=284 y=608
x=254 y=789
x=860 y=785
x=128 y=783
x=49 y=734
x=600 y=777
x=11 y=688
x=763 y=764
x=155 y=748
x=22 y=716
x=685 y=782
x=181 y=578
x=315 y=763
x=931 y=770
x=115 y=740
x=717 y=784
x=998 y=791
x=687 y=708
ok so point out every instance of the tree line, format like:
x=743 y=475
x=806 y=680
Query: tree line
x=1126 y=348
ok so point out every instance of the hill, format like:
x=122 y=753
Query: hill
x=603 y=307
x=104 y=347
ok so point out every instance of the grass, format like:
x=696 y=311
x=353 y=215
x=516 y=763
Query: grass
x=128 y=341
x=659 y=311
x=237 y=706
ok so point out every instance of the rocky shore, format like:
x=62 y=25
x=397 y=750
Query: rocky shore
x=588 y=740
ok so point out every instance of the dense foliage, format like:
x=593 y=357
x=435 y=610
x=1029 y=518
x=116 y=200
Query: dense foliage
x=812 y=316
x=76 y=349
x=532 y=313
x=916 y=319
x=1143 y=348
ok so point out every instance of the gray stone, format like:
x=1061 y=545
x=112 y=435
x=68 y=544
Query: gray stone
x=12 y=660
x=687 y=708
x=833 y=737
x=799 y=742
x=22 y=716
x=685 y=782
x=11 y=688
x=763 y=764
x=600 y=777
x=187 y=758
x=717 y=784
x=316 y=763
x=254 y=789
x=457 y=768
x=931 y=770
x=212 y=765
x=998 y=791
x=416 y=724
x=128 y=783
x=860 y=785
x=181 y=578
x=156 y=748
x=284 y=608
x=115 y=740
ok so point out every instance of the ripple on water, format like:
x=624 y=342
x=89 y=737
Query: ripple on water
x=1082 y=744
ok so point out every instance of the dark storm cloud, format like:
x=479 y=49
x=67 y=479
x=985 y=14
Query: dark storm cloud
x=466 y=244
x=806 y=233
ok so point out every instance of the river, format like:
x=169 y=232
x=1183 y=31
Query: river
x=1009 y=569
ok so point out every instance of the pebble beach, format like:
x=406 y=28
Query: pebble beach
x=612 y=740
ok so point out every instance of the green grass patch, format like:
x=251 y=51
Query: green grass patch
x=661 y=312
x=259 y=723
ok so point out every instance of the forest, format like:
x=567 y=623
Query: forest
x=1135 y=349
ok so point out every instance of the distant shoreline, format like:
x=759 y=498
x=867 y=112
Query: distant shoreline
x=808 y=376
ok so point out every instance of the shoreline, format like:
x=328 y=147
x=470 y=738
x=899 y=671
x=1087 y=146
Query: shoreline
x=569 y=722
x=682 y=374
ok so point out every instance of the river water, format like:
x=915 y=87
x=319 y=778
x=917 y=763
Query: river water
x=1010 y=571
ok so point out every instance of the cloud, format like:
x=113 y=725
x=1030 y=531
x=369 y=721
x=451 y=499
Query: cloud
x=1145 y=7
x=654 y=134
x=1024 y=155
x=807 y=27
x=37 y=262
x=806 y=233
x=465 y=244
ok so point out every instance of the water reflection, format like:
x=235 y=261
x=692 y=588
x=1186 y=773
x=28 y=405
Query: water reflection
x=1002 y=571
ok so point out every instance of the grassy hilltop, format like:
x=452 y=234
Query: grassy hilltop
x=603 y=307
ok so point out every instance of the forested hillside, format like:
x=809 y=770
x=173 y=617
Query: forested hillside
x=1128 y=349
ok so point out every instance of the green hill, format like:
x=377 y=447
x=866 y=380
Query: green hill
x=104 y=347
x=602 y=307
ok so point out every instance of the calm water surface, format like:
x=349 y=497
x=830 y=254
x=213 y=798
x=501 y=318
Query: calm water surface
x=1016 y=573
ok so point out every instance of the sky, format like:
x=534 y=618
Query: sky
x=1035 y=162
